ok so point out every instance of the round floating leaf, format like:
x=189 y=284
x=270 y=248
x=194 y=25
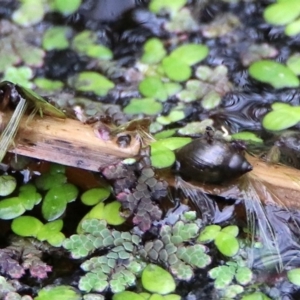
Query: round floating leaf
x=100 y=52
x=293 y=28
x=56 y=38
x=256 y=296
x=161 y=157
x=126 y=295
x=227 y=244
x=176 y=69
x=7 y=185
x=293 y=63
x=294 y=276
x=247 y=136
x=170 y=5
x=94 y=196
x=11 y=208
x=209 y=233
x=172 y=297
x=56 y=200
x=274 y=73
x=26 y=226
x=153 y=87
x=157 y=280
x=156 y=297
x=232 y=230
x=154 y=51
x=172 y=143
x=29 y=196
x=283 y=12
x=47 y=84
x=56 y=239
x=282 y=117
x=147 y=106
x=67 y=7
x=211 y=100
x=47 y=181
x=93 y=82
x=243 y=275
x=61 y=292
x=190 y=54
x=21 y=75
x=112 y=213
x=49 y=229
x=174 y=116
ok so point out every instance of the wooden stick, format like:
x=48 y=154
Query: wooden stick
x=68 y=142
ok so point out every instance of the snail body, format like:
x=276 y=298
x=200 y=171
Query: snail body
x=210 y=160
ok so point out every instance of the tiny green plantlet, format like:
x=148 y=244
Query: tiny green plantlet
x=94 y=196
x=56 y=38
x=7 y=185
x=273 y=73
x=294 y=276
x=147 y=106
x=282 y=117
x=154 y=51
x=173 y=7
x=58 y=292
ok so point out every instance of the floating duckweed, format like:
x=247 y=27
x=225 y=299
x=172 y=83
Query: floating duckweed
x=95 y=195
x=227 y=244
x=174 y=116
x=7 y=185
x=59 y=293
x=293 y=63
x=274 y=73
x=282 y=117
x=211 y=100
x=247 y=136
x=26 y=226
x=127 y=295
x=153 y=87
x=294 y=276
x=56 y=38
x=21 y=75
x=92 y=82
x=67 y=7
x=172 y=6
x=175 y=69
x=100 y=52
x=154 y=51
x=256 y=296
x=47 y=84
x=148 y=106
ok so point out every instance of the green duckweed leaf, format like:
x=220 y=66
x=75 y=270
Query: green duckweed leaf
x=172 y=143
x=47 y=84
x=50 y=232
x=112 y=213
x=24 y=15
x=227 y=244
x=172 y=117
x=147 y=106
x=274 y=73
x=29 y=196
x=170 y=5
x=7 y=185
x=56 y=200
x=100 y=52
x=83 y=40
x=283 y=12
x=292 y=28
x=293 y=63
x=172 y=88
x=243 y=275
x=176 y=69
x=153 y=87
x=92 y=82
x=223 y=276
x=21 y=75
x=161 y=157
x=172 y=297
x=195 y=128
x=157 y=280
x=164 y=134
x=282 y=117
x=94 y=196
x=61 y=292
x=11 y=208
x=127 y=295
x=156 y=297
x=294 y=276
x=56 y=239
x=211 y=100
x=256 y=296
x=47 y=181
x=247 y=136
x=209 y=233
x=154 y=51
x=56 y=38
x=233 y=230
x=67 y=7
x=190 y=54
x=26 y=226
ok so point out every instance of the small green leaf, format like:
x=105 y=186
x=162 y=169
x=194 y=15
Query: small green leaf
x=154 y=51
x=47 y=84
x=47 y=181
x=190 y=54
x=292 y=28
x=243 y=275
x=170 y=5
x=147 y=106
x=67 y=7
x=174 y=116
x=29 y=196
x=94 y=196
x=233 y=230
x=126 y=295
x=293 y=63
x=227 y=244
x=274 y=73
x=11 y=208
x=209 y=233
x=172 y=143
x=282 y=13
x=100 y=52
x=26 y=226
x=176 y=69
x=157 y=280
x=56 y=239
x=256 y=296
x=7 y=185
x=247 y=136
x=21 y=75
x=161 y=157
x=294 y=276
x=56 y=38
x=112 y=213
x=61 y=292
x=153 y=87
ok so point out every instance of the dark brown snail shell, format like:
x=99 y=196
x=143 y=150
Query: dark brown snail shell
x=211 y=161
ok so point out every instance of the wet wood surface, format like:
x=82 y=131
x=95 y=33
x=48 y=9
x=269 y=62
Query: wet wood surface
x=68 y=142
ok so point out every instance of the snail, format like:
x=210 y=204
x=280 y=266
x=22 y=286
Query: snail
x=211 y=160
